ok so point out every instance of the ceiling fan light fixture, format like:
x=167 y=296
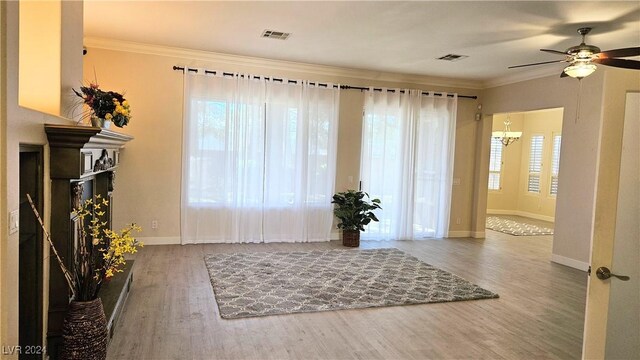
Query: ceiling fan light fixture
x=580 y=69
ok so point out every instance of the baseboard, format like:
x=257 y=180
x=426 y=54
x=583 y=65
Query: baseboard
x=459 y=234
x=569 y=262
x=521 y=213
x=478 y=234
x=162 y=240
x=500 y=212
x=536 y=216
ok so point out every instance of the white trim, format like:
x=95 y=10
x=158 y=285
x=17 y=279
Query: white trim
x=270 y=64
x=466 y=234
x=459 y=234
x=536 y=216
x=569 y=262
x=163 y=240
x=500 y=212
x=521 y=213
x=521 y=76
x=335 y=234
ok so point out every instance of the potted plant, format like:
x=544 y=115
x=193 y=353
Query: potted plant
x=354 y=211
x=98 y=257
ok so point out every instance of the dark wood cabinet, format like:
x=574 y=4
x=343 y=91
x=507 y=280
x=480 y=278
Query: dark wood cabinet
x=83 y=161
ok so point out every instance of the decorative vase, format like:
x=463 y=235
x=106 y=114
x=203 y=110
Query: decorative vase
x=351 y=238
x=84 y=331
x=99 y=122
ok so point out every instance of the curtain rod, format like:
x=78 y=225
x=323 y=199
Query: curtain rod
x=346 y=87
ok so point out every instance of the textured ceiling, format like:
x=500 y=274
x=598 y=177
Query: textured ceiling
x=393 y=36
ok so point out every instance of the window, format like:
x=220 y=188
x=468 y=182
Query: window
x=495 y=164
x=555 y=164
x=407 y=162
x=535 y=163
x=259 y=160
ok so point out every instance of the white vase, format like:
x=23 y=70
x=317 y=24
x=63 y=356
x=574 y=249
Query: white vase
x=101 y=123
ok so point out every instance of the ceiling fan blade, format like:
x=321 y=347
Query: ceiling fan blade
x=626 y=52
x=554 y=51
x=621 y=63
x=563 y=74
x=539 y=63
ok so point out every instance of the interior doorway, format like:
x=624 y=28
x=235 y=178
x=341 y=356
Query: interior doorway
x=524 y=172
x=31 y=252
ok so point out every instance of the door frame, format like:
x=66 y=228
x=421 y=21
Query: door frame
x=606 y=207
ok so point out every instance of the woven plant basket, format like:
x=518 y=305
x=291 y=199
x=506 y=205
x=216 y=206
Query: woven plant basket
x=84 y=332
x=351 y=238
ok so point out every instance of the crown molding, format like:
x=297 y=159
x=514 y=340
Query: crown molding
x=521 y=76
x=270 y=64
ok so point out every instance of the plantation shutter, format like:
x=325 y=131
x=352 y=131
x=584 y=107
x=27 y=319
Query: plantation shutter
x=495 y=164
x=555 y=164
x=535 y=163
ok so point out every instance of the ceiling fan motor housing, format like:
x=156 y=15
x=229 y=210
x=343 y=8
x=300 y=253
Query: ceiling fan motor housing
x=583 y=51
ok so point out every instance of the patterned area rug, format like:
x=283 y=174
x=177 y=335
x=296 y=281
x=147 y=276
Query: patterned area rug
x=513 y=227
x=271 y=283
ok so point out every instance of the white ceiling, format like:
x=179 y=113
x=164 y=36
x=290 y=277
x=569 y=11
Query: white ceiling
x=392 y=36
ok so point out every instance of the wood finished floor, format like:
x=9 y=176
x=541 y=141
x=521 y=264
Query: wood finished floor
x=171 y=312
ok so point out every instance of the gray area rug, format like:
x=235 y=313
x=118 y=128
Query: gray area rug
x=272 y=283
x=513 y=227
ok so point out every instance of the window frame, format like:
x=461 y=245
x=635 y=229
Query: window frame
x=540 y=166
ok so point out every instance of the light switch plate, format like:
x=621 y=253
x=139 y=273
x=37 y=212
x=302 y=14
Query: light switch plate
x=14 y=221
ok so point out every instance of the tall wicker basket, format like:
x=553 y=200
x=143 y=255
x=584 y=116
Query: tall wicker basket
x=351 y=238
x=84 y=332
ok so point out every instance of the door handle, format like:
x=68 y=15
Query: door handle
x=603 y=273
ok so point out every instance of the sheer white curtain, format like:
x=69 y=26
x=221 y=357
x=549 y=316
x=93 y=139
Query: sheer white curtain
x=407 y=161
x=258 y=160
x=300 y=168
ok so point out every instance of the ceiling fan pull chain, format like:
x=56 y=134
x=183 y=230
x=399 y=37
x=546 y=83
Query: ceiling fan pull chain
x=578 y=100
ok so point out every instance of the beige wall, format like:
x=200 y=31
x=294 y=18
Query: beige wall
x=513 y=198
x=580 y=138
x=26 y=126
x=39 y=73
x=3 y=158
x=505 y=200
x=149 y=177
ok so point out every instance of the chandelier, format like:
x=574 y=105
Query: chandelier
x=507 y=137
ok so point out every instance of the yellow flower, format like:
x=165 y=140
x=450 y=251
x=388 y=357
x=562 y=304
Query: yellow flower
x=108 y=117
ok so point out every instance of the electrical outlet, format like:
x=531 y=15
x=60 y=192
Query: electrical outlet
x=154 y=224
x=14 y=221
x=458 y=221
x=456 y=181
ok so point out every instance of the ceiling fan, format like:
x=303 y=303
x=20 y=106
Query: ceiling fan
x=583 y=58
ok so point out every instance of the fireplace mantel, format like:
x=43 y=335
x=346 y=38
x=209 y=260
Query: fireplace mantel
x=75 y=150
x=82 y=162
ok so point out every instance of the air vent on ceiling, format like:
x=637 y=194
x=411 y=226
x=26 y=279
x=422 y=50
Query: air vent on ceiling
x=452 y=57
x=271 y=34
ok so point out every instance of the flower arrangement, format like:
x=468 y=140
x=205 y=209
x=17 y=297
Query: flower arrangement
x=107 y=105
x=98 y=259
